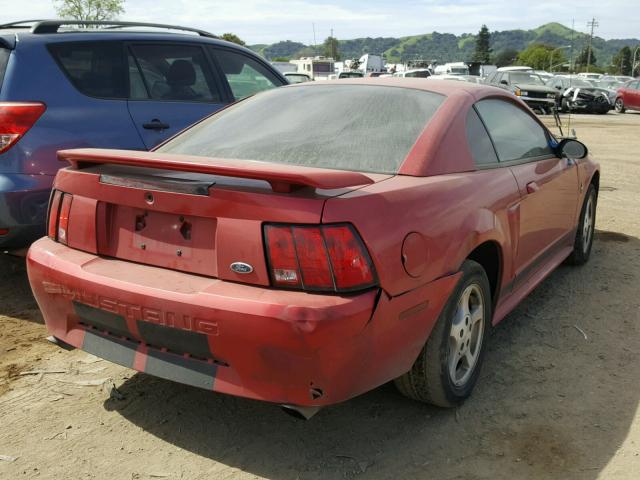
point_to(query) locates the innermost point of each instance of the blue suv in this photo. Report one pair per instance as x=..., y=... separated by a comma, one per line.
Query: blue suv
x=106, y=84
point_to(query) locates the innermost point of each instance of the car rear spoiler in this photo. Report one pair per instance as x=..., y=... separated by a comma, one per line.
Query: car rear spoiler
x=282, y=178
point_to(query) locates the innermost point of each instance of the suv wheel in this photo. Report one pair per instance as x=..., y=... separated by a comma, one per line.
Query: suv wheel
x=619, y=105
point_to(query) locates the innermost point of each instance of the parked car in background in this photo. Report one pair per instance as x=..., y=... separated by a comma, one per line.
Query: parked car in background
x=628, y=97
x=321, y=290
x=455, y=68
x=127, y=86
x=521, y=68
x=415, y=73
x=457, y=78
x=590, y=76
x=526, y=85
x=297, y=77
x=618, y=78
x=544, y=75
x=351, y=74
x=576, y=94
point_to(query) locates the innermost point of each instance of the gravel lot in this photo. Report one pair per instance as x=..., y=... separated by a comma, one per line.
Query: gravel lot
x=558, y=397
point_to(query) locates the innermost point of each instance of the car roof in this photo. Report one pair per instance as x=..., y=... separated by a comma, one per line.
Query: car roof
x=514, y=69
x=443, y=87
x=10, y=36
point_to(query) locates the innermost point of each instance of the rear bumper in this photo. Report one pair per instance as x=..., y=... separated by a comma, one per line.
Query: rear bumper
x=23, y=208
x=278, y=346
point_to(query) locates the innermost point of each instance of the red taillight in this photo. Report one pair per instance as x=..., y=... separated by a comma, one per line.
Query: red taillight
x=16, y=118
x=63, y=218
x=318, y=258
x=283, y=259
x=58, y=223
x=351, y=265
x=312, y=257
x=54, y=210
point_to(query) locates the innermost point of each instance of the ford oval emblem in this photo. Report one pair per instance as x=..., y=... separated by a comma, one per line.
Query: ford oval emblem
x=241, y=267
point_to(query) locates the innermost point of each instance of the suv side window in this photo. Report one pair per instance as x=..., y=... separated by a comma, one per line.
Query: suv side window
x=95, y=68
x=479, y=142
x=172, y=73
x=515, y=134
x=245, y=75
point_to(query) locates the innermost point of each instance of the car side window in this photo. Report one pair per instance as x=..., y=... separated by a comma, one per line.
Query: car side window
x=95, y=68
x=515, y=134
x=245, y=75
x=172, y=73
x=479, y=142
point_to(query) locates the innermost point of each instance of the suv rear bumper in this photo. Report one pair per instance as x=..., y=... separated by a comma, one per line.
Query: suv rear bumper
x=280, y=346
x=23, y=208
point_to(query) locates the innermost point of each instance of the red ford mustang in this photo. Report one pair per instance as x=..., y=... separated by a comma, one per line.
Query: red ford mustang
x=310, y=243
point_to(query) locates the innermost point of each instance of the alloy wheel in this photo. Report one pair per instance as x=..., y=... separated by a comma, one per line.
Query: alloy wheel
x=588, y=224
x=465, y=336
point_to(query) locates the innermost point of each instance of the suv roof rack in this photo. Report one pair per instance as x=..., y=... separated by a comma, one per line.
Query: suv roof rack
x=53, y=26
x=20, y=24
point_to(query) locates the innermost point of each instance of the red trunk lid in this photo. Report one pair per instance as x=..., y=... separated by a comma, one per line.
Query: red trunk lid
x=192, y=214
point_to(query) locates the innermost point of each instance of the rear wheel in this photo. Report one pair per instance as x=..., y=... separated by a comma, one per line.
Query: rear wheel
x=586, y=228
x=619, y=105
x=449, y=364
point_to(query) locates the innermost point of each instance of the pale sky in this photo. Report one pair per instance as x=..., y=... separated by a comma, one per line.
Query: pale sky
x=264, y=21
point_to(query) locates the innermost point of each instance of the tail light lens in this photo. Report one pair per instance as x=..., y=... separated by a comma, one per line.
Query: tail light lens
x=16, y=118
x=58, y=226
x=318, y=258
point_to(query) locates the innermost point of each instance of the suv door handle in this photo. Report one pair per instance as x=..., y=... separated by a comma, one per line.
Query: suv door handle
x=155, y=124
x=532, y=187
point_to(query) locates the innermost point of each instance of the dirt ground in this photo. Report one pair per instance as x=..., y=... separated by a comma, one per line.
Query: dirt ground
x=558, y=397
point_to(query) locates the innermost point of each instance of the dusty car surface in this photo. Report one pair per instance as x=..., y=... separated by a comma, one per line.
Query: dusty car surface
x=255, y=256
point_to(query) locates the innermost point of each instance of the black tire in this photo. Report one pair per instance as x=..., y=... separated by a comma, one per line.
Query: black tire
x=429, y=380
x=564, y=105
x=581, y=247
x=619, y=105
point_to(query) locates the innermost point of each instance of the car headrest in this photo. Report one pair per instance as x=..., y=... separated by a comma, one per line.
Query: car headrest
x=181, y=74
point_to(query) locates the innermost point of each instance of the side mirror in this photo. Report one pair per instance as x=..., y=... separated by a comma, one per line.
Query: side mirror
x=504, y=82
x=571, y=148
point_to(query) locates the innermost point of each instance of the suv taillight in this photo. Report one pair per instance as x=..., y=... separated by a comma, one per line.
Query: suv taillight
x=16, y=118
x=58, y=224
x=318, y=258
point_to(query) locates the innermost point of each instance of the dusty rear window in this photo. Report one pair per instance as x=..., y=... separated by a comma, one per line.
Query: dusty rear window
x=346, y=127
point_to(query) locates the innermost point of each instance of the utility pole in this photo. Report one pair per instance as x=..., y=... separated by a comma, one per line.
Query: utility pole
x=333, y=46
x=315, y=44
x=593, y=24
x=573, y=29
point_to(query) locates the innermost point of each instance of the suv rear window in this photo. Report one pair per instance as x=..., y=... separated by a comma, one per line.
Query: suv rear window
x=4, y=59
x=345, y=127
x=94, y=68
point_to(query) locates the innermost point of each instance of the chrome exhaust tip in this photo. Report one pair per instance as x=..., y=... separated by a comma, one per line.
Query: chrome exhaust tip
x=301, y=413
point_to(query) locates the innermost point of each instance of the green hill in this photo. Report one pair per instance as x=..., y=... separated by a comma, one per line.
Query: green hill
x=447, y=47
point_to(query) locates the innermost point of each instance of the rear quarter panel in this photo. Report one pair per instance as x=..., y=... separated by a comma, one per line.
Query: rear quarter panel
x=452, y=214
